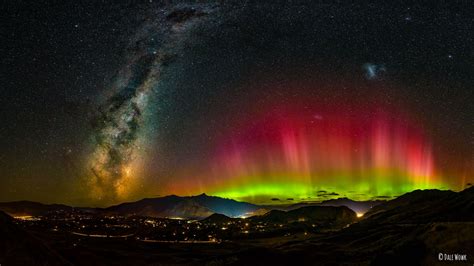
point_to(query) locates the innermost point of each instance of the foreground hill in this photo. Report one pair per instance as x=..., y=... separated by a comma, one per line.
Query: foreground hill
x=422, y=206
x=18, y=247
x=217, y=218
x=359, y=207
x=410, y=230
x=319, y=214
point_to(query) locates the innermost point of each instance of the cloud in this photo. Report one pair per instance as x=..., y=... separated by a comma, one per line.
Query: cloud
x=374, y=71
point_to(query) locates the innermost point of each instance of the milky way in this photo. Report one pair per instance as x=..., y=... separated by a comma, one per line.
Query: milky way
x=119, y=126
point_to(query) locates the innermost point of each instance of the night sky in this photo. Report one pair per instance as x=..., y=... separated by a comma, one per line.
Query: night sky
x=108, y=102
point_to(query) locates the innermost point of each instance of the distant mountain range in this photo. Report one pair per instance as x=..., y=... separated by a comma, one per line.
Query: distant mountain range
x=20, y=208
x=317, y=214
x=359, y=207
x=193, y=207
x=200, y=206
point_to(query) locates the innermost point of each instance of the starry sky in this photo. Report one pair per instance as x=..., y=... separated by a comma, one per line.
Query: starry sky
x=111, y=101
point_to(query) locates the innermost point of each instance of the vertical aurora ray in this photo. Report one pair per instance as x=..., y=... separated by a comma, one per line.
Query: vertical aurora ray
x=362, y=155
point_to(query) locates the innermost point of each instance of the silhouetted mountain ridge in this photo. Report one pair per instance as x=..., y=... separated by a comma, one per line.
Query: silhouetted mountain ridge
x=426, y=206
x=24, y=207
x=329, y=214
x=218, y=218
x=409, y=230
x=199, y=206
x=357, y=206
